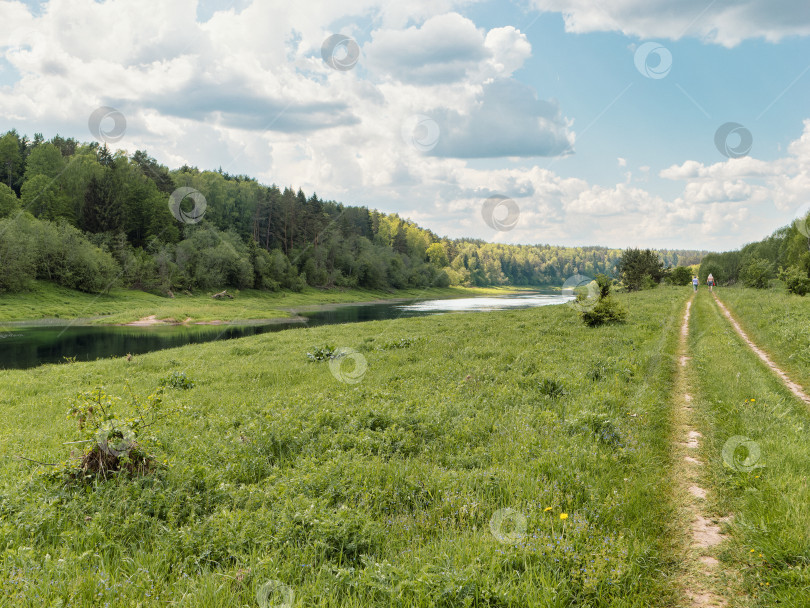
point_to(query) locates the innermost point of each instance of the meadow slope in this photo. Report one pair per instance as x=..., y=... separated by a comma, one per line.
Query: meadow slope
x=409, y=487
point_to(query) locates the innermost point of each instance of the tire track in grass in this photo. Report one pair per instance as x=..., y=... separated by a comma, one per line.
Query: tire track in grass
x=699, y=580
x=794, y=387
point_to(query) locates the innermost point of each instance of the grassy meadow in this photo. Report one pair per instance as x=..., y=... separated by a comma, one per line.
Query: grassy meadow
x=763, y=483
x=503, y=459
x=777, y=321
x=49, y=301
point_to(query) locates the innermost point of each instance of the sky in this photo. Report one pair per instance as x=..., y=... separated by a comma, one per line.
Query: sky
x=648, y=123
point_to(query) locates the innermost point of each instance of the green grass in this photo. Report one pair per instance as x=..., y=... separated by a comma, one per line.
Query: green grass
x=736, y=395
x=49, y=301
x=777, y=321
x=374, y=493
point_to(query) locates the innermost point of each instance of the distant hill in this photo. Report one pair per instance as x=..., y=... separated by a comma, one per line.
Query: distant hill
x=89, y=218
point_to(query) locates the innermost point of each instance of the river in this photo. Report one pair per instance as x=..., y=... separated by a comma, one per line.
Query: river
x=27, y=346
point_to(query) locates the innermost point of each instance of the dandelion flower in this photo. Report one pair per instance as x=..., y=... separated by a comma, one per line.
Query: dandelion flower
x=563, y=515
x=547, y=509
x=752, y=550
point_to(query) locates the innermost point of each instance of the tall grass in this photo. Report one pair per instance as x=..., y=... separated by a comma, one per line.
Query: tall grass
x=777, y=321
x=377, y=492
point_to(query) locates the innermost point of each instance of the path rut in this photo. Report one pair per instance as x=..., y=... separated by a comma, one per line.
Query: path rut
x=701, y=579
x=794, y=387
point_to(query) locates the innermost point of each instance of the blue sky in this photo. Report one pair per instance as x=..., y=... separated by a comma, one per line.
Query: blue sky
x=449, y=102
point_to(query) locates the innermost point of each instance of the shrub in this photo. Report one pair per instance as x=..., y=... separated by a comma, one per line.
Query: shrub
x=756, y=272
x=607, y=310
x=681, y=275
x=796, y=280
x=178, y=380
x=113, y=440
x=635, y=265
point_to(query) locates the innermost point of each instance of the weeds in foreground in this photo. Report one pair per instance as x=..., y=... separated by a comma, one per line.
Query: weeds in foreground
x=114, y=439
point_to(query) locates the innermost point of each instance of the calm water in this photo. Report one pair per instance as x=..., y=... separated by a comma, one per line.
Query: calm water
x=23, y=347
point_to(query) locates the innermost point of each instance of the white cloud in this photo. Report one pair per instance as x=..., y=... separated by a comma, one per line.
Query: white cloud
x=446, y=48
x=247, y=90
x=726, y=23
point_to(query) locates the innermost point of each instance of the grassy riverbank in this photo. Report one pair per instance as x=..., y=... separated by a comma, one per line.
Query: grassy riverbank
x=382, y=492
x=49, y=301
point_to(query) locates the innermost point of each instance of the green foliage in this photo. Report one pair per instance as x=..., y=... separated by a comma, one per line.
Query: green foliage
x=45, y=160
x=795, y=279
x=321, y=353
x=259, y=236
x=605, y=283
x=33, y=248
x=437, y=255
x=599, y=426
x=551, y=387
x=114, y=439
x=756, y=272
x=680, y=275
x=640, y=269
x=724, y=269
x=178, y=380
x=786, y=247
x=606, y=310
x=9, y=203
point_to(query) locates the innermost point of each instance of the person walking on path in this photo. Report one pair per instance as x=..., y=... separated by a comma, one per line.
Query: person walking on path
x=710, y=281
x=695, y=282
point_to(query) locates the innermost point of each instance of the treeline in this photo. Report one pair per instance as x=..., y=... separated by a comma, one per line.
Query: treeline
x=784, y=255
x=89, y=218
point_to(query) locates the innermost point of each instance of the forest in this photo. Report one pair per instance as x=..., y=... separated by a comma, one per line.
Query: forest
x=89, y=218
x=784, y=255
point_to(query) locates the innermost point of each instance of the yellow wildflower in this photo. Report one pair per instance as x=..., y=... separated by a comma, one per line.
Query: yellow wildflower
x=563, y=515
x=547, y=509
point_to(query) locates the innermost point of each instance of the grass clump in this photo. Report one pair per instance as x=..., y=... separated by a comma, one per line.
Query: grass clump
x=114, y=440
x=322, y=353
x=178, y=380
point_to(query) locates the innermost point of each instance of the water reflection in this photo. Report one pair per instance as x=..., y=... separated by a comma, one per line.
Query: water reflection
x=28, y=346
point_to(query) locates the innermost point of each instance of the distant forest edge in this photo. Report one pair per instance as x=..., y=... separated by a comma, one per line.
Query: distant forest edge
x=785, y=255
x=88, y=218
